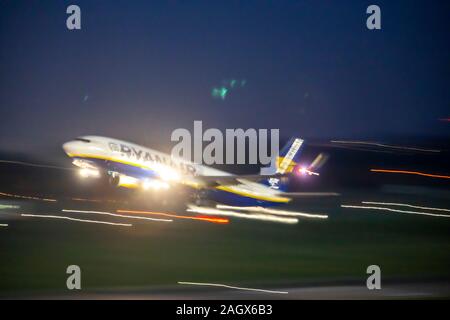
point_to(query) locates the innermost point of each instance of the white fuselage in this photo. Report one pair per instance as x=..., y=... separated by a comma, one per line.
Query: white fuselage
x=136, y=161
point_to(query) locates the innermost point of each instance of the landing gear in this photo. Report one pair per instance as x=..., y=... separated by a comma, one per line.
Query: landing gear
x=200, y=199
x=113, y=179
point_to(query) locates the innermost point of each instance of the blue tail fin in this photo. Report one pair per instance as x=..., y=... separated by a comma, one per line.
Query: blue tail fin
x=285, y=162
x=289, y=155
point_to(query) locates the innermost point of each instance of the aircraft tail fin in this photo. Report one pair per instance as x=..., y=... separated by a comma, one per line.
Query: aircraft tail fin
x=289, y=155
x=285, y=163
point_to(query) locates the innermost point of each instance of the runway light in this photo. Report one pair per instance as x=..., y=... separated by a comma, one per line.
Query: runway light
x=212, y=219
x=384, y=145
x=208, y=219
x=229, y=287
x=74, y=219
x=116, y=215
x=99, y=200
x=26, y=197
x=275, y=211
x=86, y=200
x=412, y=173
x=261, y=217
x=396, y=210
x=406, y=205
x=8, y=206
x=34, y=165
x=88, y=172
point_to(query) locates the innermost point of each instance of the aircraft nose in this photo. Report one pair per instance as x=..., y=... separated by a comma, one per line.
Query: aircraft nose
x=69, y=147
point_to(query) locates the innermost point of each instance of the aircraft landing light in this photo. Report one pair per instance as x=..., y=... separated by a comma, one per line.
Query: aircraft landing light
x=155, y=185
x=88, y=172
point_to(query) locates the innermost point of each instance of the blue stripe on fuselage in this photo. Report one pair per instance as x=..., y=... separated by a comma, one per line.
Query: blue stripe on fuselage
x=235, y=199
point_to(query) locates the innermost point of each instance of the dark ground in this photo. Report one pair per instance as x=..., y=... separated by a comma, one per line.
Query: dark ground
x=312, y=259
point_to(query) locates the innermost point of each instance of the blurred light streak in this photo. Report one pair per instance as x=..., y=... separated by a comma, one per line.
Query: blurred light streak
x=213, y=219
x=384, y=145
x=319, y=161
x=230, y=287
x=411, y=172
x=274, y=211
x=396, y=210
x=209, y=219
x=7, y=206
x=3, y=224
x=405, y=205
x=26, y=197
x=34, y=165
x=262, y=217
x=74, y=219
x=86, y=200
x=445, y=119
x=98, y=200
x=116, y=215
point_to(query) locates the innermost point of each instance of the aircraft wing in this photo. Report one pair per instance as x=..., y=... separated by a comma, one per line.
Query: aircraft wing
x=311, y=194
x=231, y=180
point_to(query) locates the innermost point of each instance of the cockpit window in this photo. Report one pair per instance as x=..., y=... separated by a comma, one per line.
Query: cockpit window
x=83, y=139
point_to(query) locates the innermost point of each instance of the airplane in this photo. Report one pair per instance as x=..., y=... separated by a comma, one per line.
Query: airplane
x=130, y=165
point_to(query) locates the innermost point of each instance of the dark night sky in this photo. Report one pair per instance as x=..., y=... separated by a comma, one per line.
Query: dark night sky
x=139, y=69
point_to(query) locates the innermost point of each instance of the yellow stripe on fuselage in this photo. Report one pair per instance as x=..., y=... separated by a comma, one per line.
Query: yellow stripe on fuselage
x=254, y=196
